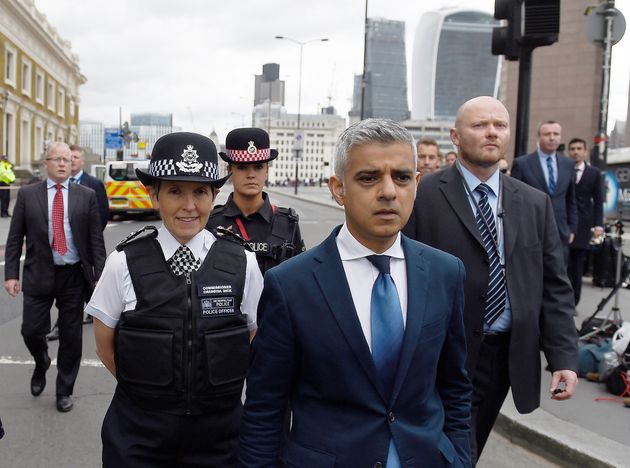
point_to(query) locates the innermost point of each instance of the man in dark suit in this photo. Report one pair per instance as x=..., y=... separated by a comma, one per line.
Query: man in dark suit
x=552, y=173
x=65, y=255
x=370, y=355
x=590, y=206
x=517, y=295
x=78, y=176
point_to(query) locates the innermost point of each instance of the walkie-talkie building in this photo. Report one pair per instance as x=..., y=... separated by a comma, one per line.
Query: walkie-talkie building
x=452, y=62
x=386, y=73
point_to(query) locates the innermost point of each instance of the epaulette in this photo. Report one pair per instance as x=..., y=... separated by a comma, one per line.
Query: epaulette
x=217, y=209
x=145, y=232
x=226, y=234
x=289, y=213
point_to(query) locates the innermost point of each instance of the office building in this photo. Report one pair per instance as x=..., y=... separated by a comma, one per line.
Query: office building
x=268, y=87
x=91, y=136
x=319, y=131
x=386, y=73
x=566, y=81
x=452, y=62
x=39, y=84
x=439, y=130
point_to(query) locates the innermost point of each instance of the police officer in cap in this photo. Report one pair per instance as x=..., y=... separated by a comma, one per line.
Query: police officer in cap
x=174, y=312
x=272, y=232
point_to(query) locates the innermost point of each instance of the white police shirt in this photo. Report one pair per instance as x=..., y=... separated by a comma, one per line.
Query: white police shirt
x=114, y=294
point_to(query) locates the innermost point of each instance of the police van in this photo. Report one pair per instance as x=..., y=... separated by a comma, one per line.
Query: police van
x=125, y=192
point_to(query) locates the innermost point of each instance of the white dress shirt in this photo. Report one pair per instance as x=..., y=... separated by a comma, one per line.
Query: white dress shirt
x=72, y=254
x=579, y=171
x=361, y=274
x=114, y=294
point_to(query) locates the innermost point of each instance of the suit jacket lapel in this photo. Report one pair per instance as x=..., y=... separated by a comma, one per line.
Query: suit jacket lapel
x=453, y=189
x=511, y=215
x=72, y=201
x=534, y=164
x=332, y=281
x=42, y=199
x=417, y=295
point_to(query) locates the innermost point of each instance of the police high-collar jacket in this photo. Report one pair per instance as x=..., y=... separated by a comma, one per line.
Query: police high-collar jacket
x=184, y=349
x=272, y=232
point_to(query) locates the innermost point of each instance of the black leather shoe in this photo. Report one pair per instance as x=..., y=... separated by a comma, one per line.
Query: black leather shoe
x=38, y=380
x=64, y=403
x=54, y=333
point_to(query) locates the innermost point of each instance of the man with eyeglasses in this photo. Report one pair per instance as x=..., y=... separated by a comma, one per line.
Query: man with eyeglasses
x=65, y=255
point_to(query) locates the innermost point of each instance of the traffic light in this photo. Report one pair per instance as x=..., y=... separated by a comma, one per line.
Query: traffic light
x=504, y=37
x=530, y=24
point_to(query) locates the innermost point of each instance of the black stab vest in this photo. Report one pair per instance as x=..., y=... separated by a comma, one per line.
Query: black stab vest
x=184, y=349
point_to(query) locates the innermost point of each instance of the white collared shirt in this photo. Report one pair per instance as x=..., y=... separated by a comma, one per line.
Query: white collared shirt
x=504, y=322
x=72, y=254
x=579, y=171
x=114, y=294
x=361, y=274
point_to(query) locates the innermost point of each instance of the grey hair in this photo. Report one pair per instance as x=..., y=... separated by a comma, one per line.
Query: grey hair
x=54, y=146
x=365, y=132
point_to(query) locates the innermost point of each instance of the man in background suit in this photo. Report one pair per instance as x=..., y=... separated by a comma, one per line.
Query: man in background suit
x=552, y=173
x=517, y=295
x=65, y=255
x=78, y=176
x=371, y=359
x=590, y=206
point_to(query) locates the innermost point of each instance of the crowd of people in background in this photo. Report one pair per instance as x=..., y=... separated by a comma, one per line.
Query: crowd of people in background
x=396, y=339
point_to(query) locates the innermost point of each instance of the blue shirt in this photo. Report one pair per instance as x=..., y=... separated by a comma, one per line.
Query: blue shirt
x=504, y=322
x=72, y=255
x=542, y=158
x=77, y=178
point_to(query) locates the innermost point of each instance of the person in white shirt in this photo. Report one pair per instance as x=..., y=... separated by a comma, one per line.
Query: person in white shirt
x=174, y=313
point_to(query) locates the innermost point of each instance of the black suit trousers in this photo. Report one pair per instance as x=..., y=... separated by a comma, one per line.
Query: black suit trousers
x=577, y=260
x=5, y=198
x=68, y=295
x=490, y=387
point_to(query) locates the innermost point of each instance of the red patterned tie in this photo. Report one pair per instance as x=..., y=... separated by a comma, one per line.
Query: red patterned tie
x=59, y=236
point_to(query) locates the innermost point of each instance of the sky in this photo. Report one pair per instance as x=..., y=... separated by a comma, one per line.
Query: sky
x=197, y=58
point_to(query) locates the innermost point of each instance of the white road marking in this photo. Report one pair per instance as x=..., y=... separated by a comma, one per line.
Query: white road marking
x=30, y=362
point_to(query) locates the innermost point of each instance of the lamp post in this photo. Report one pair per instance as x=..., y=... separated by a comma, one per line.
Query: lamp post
x=298, y=141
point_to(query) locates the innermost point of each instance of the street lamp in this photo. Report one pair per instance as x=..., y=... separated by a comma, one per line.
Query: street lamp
x=298, y=146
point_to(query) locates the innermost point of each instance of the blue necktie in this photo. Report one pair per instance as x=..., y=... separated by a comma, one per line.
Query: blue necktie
x=387, y=333
x=495, y=294
x=552, y=175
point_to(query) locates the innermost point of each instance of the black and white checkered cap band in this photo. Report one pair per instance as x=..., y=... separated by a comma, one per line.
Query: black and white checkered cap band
x=167, y=167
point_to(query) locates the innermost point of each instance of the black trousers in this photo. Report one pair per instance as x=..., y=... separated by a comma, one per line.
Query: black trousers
x=577, y=259
x=5, y=197
x=68, y=296
x=134, y=437
x=490, y=387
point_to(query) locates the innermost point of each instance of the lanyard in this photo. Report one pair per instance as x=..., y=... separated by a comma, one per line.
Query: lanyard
x=499, y=221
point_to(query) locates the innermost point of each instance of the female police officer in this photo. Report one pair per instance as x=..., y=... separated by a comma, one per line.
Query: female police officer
x=272, y=232
x=173, y=313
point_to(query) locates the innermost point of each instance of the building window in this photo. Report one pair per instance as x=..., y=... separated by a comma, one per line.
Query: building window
x=26, y=77
x=39, y=87
x=10, y=59
x=61, y=102
x=50, y=95
x=25, y=142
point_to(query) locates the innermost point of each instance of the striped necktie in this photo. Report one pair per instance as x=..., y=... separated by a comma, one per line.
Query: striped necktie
x=496, y=293
x=552, y=176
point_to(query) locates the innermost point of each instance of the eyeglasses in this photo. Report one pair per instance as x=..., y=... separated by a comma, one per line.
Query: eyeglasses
x=59, y=160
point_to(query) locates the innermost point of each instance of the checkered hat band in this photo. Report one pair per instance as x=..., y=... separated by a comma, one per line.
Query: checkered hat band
x=167, y=167
x=244, y=156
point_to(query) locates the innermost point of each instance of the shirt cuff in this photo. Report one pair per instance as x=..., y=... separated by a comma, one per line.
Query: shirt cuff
x=102, y=316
